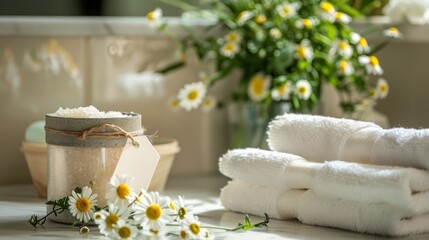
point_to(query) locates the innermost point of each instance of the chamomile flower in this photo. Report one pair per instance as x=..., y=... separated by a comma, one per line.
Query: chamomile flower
x=119, y=191
x=343, y=18
x=275, y=33
x=125, y=231
x=153, y=211
x=362, y=46
x=192, y=227
x=365, y=105
x=304, y=50
x=282, y=92
x=392, y=32
x=154, y=17
x=372, y=93
x=229, y=49
x=327, y=11
x=174, y=104
x=371, y=64
x=260, y=19
x=207, y=235
x=192, y=95
x=107, y=220
x=183, y=210
x=244, y=17
x=306, y=23
x=154, y=234
x=382, y=88
x=82, y=204
x=344, y=49
x=303, y=89
x=345, y=68
x=287, y=9
x=258, y=87
x=233, y=37
x=209, y=103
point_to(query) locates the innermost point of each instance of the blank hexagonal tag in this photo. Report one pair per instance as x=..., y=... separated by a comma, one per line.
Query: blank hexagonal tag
x=139, y=162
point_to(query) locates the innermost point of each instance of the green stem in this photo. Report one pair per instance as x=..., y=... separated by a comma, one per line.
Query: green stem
x=182, y=5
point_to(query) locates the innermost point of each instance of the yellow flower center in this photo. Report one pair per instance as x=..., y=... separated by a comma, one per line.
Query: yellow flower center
x=183, y=234
x=195, y=228
x=343, y=45
x=373, y=60
x=372, y=92
x=258, y=83
x=154, y=231
x=338, y=15
x=242, y=15
x=286, y=10
x=383, y=88
x=174, y=104
x=343, y=65
x=326, y=7
x=124, y=232
x=111, y=220
x=394, y=30
x=83, y=204
x=207, y=102
x=260, y=19
x=172, y=206
x=97, y=216
x=153, y=212
x=182, y=213
x=232, y=37
x=151, y=16
x=282, y=89
x=302, y=90
x=300, y=51
x=123, y=190
x=192, y=95
x=362, y=42
x=307, y=23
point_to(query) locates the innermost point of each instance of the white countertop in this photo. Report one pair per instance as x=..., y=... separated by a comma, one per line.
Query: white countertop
x=19, y=202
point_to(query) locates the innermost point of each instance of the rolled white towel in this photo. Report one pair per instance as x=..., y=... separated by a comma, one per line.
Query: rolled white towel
x=311, y=208
x=405, y=188
x=318, y=139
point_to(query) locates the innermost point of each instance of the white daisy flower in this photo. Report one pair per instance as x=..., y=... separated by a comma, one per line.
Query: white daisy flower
x=364, y=105
x=244, y=17
x=207, y=235
x=282, y=92
x=287, y=9
x=119, y=191
x=258, y=87
x=107, y=220
x=82, y=204
x=183, y=210
x=125, y=231
x=154, y=234
x=209, y=103
x=345, y=68
x=154, y=17
x=327, y=11
x=233, y=37
x=153, y=211
x=344, y=49
x=343, y=18
x=229, y=49
x=275, y=33
x=392, y=32
x=373, y=93
x=362, y=46
x=192, y=95
x=306, y=23
x=372, y=64
x=382, y=88
x=303, y=89
x=174, y=104
x=192, y=227
x=304, y=50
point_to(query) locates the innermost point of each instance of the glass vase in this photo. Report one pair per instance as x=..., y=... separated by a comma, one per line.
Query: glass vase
x=248, y=122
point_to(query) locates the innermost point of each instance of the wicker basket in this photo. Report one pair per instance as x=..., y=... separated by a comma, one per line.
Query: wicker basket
x=37, y=162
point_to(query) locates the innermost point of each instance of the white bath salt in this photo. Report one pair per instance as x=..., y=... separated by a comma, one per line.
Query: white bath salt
x=86, y=112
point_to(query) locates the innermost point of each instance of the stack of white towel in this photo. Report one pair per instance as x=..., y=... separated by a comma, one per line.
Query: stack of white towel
x=334, y=172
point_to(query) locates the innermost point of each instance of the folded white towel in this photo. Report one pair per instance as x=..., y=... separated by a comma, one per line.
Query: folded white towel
x=405, y=188
x=311, y=208
x=318, y=138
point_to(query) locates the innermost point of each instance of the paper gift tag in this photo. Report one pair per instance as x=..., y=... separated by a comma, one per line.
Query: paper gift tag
x=139, y=162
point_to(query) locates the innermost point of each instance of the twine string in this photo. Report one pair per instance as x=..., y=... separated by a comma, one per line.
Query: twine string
x=93, y=132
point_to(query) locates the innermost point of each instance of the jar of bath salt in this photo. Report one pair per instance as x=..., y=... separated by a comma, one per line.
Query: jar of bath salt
x=84, y=145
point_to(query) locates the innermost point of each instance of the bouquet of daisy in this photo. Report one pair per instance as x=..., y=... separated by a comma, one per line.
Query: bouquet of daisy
x=285, y=51
x=131, y=215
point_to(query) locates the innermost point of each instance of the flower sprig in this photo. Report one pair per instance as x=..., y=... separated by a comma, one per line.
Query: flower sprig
x=129, y=215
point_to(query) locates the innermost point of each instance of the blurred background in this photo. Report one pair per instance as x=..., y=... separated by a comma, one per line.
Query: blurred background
x=107, y=44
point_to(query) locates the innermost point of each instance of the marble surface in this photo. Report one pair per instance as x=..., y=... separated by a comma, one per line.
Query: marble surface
x=19, y=202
